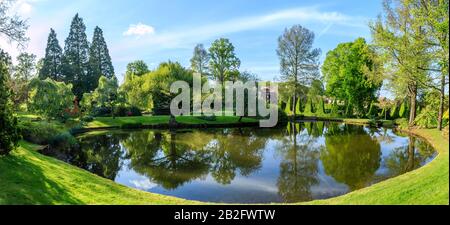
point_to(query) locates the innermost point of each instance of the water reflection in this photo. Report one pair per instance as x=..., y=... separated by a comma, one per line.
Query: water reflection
x=351, y=156
x=298, y=169
x=300, y=162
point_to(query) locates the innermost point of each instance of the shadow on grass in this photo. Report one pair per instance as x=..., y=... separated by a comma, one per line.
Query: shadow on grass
x=22, y=181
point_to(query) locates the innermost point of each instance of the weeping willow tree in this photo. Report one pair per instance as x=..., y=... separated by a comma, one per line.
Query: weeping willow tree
x=50, y=98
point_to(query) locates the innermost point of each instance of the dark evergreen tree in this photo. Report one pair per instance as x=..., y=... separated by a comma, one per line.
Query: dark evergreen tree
x=75, y=60
x=9, y=133
x=51, y=67
x=99, y=59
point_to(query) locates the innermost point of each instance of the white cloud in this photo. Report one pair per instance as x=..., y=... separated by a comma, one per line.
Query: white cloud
x=139, y=29
x=143, y=184
x=185, y=37
x=22, y=7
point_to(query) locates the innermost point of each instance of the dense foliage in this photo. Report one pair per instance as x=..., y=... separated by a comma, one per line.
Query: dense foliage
x=51, y=99
x=347, y=71
x=9, y=133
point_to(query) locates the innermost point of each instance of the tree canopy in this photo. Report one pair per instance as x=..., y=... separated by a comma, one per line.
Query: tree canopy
x=223, y=63
x=75, y=63
x=99, y=59
x=347, y=72
x=52, y=64
x=9, y=133
x=298, y=58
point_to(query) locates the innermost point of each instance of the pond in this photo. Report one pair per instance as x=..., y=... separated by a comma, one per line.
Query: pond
x=299, y=162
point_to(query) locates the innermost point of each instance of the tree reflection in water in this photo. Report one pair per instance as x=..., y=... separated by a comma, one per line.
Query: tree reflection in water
x=407, y=158
x=351, y=156
x=284, y=164
x=298, y=169
x=171, y=159
x=159, y=157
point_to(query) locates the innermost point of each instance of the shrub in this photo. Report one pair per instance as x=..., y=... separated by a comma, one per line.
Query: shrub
x=320, y=108
x=349, y=110
x=298, y=107
x=288, y=110
x=403, y=109
x=64, y=141
x=427, y=118
x=402, y=123
x=372, y=111
x=101, y=111
x=39, y=132
x=334, y=109
x=134, y=111
x=308, y=108
x=394, y=112
x=121, y=111
x=87, y=119
x=282, y=117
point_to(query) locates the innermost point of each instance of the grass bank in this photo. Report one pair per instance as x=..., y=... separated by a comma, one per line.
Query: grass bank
x=28, y=177
x=426, y=185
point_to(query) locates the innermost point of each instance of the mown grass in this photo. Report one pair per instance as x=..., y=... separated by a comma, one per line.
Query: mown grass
x=100, y=122
x=426, y=185
x=28, y=177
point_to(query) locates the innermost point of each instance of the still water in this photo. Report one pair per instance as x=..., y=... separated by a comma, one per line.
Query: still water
x=300, y=162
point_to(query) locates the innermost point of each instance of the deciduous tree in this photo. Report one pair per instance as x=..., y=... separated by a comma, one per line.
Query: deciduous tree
x=223, y=63
x=298, y=58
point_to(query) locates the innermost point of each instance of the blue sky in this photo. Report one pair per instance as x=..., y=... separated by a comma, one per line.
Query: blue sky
x=157, y=31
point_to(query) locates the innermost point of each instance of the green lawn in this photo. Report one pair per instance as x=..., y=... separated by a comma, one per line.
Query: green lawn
x=27, y=177
x=100, y=122
x=426, y=185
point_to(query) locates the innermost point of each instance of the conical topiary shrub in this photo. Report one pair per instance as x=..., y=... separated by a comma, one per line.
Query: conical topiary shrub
x=372, y=110
x=402, y=113
x=394, y=112
x=320, y=108
x=298, y=107
x=335, y=109
x=308, y=108
x=288, y=110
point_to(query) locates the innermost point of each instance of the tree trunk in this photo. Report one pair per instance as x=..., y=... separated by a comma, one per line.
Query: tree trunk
x=413, y=96
x=411, y=154
x=293, y=106
x=441, y=102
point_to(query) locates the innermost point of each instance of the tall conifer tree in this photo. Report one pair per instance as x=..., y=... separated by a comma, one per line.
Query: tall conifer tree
x=99, y=59
x=75, y=60
x=51, y=67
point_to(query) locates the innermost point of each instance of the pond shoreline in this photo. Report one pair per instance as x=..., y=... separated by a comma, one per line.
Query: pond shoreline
x=426, y=185
x=180, y=125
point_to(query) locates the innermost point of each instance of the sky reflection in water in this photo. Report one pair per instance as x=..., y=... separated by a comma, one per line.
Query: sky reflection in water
x=301, y=162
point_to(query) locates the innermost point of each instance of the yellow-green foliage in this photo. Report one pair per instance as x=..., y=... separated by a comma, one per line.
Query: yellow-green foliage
x=394, y=112
x=309, y=108
x=402, y=112
x=320, y=109
x=288, y=110
x=50, y=98
x=298, y=107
